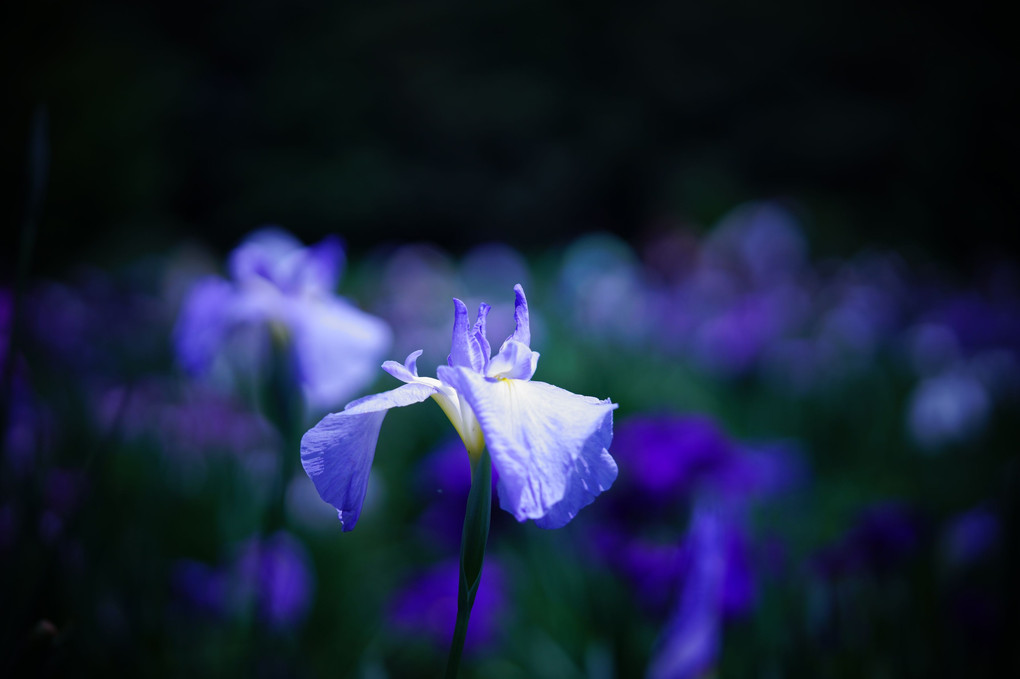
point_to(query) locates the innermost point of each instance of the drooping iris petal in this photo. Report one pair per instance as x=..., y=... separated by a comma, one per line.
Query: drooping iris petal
x=337, y=453
x=203, y=325
x=548, y=444
x=336, y=345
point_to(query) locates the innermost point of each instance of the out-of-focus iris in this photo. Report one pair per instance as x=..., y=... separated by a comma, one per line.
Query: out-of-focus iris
x=283, y=292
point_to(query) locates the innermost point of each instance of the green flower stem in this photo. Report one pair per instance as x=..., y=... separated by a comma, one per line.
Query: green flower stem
x=472, y=554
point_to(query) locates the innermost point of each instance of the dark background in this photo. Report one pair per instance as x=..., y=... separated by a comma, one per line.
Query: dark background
x=462, y=122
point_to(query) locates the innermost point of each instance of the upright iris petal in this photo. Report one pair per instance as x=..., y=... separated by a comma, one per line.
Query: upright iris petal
x=548, y=445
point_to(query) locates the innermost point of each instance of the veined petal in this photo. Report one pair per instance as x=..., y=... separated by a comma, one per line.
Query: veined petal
x=338, y=348
x=465, y=349
x=549, y=445
x=478, y=334
x=337, y=453
x=522, y=333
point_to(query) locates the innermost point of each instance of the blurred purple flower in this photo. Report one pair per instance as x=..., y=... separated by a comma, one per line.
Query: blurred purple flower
x=882, y=536
x=691, y=640
x=548, y=445
x=427, y=605
x=970, y=536
x=201, y=588
x=184, y=420
x=667, y=456
x=278, y=282
x=653, y=568
x=980, y=322
x=99, y=327
x=759, y=241
x=272, y=576
x=669, y=459
x=278, y=572
x=604, y=290
x=673, y=462
x=947, y=409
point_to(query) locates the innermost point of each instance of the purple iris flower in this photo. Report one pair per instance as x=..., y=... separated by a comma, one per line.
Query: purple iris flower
x=274, y=575
x=692, y=638
x=671, y=459
x=548, y=445
x=278, y=572
x=427, y=604
x=277, y=281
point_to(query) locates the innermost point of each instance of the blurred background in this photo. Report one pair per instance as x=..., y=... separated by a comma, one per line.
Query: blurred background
x=782, y=238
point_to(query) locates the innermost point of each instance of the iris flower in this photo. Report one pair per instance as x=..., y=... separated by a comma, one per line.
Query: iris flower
x=548, y=445
x=277, y=282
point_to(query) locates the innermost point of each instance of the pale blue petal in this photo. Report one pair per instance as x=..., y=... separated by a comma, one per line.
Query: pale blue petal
x=594, y=471
x=549, y=445
x=411, y=362
x=338, y=348
x=478, y=333
x=465, y=349
x=203, y=323
x=514, y=361
x=337, y=453
x=522, y=333
x=274, y=255
x=261, y=255
x=408, y=372
x=318, y=269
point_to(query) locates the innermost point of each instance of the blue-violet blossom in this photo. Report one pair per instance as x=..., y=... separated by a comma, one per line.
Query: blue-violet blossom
x=548, y=445
x=277, y=281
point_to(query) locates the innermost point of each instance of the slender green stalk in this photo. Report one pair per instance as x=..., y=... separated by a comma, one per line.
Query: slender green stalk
x=472, y=554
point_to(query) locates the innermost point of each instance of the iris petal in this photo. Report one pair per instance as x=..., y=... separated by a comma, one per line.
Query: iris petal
x=548, y=444
x=522, y=333
x=337, y=453
x=407, y=372
x=338, y=347
x=515, y=360
x=203, y=323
